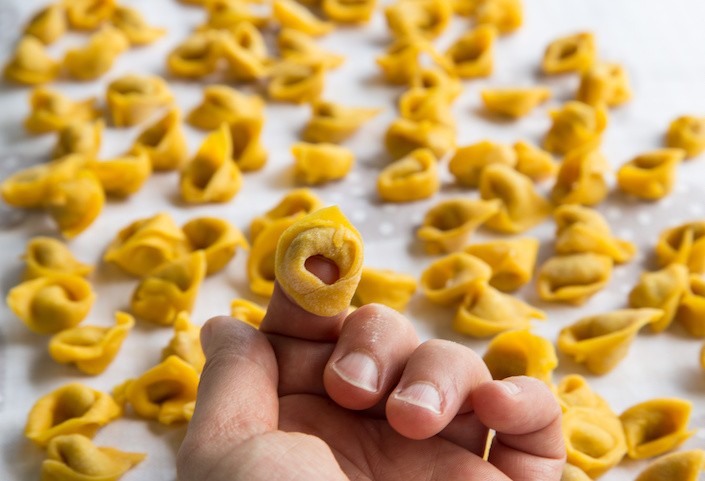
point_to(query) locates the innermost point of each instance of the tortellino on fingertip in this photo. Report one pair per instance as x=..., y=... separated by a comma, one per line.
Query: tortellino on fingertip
x=448, y=225
x=512, y=261
x=91, y=348
x=74, y=457
x=602, y=341
x=326, y=233
x=71, y=409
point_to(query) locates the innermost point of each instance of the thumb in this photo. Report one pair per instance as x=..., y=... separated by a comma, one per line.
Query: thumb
x=237, y=395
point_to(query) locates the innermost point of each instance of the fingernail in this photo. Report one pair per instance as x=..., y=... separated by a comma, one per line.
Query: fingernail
x=511, y=388
x=421, y=394
x=358, y=369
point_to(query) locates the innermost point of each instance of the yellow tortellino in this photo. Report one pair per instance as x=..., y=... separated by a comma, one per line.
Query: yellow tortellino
x=260, y=263
x=581, y=177
x=533, y=162
x=520, y=353
x=349, y=11
x=521, y=206
x=131, y=23
x=333, y=123
x=572, y=53
x=514, y=102
x=663, y=290
x=468, y=162
x=594, y=440
x=52, y=303
x=573, y=278
x=574, y=391
x=98, y=56
x=212, y=175
x=91, y=348
x=512, y=261
x=447, y=280
x=186, y=342
x=197, y=56
x=163, y=393
x=574, y=473
x=427, y=18
x=245, y=52
x=134, y=98
x=89, y=14
x=320, y=163
x=604, y=83
x=170, y=289
x=400, y=63
x=73, y=457
x=146, y=244
x=437, y=79
x=224, y=14
x=46, y=256
x=79, y=138
x=602, y=341
x=52, y=111
x=581, y=229
x=656, y=426
x=164, y=142
x=691, y=310
x=225, y=104
x=448, y=225
x=683, y=244
x=291, y=14
x=419, y=104
x=485, y=311
x=505, y=15
x=48, y=24
x=217, y=238
x=404, y=136
x=248, y=312
x=687, y=133
x=651, y=175
x=123, y=176
x=302, y=48
x=31, y=64
x=74, y=203
x=296, y=81
x=575, y=125
x=472, y=55
x=327, y=233
x=70, y=409
x=248, y=150
x=413, y=177
x=295, y=203
x=683, y=465
x=384, y=286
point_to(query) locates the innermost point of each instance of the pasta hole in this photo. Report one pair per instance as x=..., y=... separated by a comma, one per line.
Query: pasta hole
x=323, y=268
x=73, y=402
x=567, y=51
x=161, y=391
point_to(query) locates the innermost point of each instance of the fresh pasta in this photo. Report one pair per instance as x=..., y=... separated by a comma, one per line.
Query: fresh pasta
x=572, y=53
x=31, y=64
x=384, y=286
x=320, y=163
x=651, y=175
x=186, y=342
x=573, y=278
x=514, y=102
x=333, y=123
x=217, y=238
x=575, y=125
x=46, y=256
x=468, y=162
x=512, y=261
x=98, y=56
x=132, y=99
x=447, y=280
x=520, y=353
x=410, y=178
x=164, y=142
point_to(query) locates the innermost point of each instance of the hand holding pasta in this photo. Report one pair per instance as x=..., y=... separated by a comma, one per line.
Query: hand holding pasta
x=329, y=396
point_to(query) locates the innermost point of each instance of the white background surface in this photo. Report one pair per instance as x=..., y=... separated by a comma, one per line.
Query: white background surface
x=660, y=43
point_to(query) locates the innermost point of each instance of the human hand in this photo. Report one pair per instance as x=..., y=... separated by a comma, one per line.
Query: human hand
x=333, y=398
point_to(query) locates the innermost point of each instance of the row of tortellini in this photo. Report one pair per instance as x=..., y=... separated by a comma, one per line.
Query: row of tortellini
x=119, y=28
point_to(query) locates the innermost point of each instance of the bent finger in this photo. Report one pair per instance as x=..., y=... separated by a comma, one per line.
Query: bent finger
x=524, y=413
x=369, y=357
x=435, y=387
x=237, y=393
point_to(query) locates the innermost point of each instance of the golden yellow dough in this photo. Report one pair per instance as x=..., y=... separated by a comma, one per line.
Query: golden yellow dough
x=51, y=111
x=186, y=342
x=581, y=177
x=651, y=175
x=573, y=473
x=164, y=142
x=419, y=104
x=400, y=62
x=31, y=64
x=601, y=341
x=260, y=262
x=573, y=278
x=325, y=232
x=97, y=57
x=294, y=203
x=123, y=176
x=79, y=138
x=247, y=311
x=384, y=286
x=91, y=348
x=320, y=163
x=691, y=308
x=349, y=11
x=688, y=133
x=514, y=102
x=683, y=466
x=520, y=353
x=197, y=56
x=436, y=78
x=574, y=125
x=296, y=81
x=45, y=256
x=604, y=83
x=74, y=203
x=225, y=104
x=132, y=99
x=217, y=238
x=472, y=55
x=71, y=409
x=574, y=391
x=427, y=18
x=48, y=24
x=512, y=261
x=291, y=14
x=245, y=52
x=571, y=53
x=333, y=123
x=404, y=136
x=413, y=177
x=89, y=14
x=300, y=47
x=683, y=244
x=505, y=15
x=468, y=163
x=656, y=426
x=533, y=162
x=445, y=281
x=223, y=14
x=132, y=24
x=662, y=289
